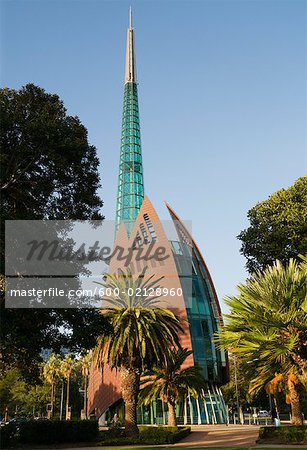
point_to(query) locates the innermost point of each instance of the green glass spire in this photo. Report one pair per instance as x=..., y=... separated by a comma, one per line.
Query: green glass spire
x=130, y=193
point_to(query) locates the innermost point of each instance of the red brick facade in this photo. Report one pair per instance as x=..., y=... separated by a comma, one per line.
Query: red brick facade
x=104, y=386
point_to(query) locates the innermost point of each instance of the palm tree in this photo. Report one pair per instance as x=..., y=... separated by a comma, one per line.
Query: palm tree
x=85, y=364
x=143, y=334
x=67, y=368
x=171, y=382
x=51, y=373
x=281, y=383
x=268, y=327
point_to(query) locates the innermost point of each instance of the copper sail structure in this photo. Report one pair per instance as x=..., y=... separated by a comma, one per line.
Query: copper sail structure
x=130, y=193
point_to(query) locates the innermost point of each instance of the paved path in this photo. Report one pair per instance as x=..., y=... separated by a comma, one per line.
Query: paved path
x=215, y=436
x=221, y=436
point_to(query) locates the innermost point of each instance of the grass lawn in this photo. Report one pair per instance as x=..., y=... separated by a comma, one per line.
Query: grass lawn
x=162, y=447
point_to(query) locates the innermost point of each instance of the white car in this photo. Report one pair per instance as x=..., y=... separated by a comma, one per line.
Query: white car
x=263, y=413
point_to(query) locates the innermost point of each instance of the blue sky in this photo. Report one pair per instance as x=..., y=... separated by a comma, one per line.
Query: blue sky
x=222, y=90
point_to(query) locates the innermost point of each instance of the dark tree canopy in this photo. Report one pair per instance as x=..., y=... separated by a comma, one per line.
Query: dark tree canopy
x=278, y=228
x=48, y=171
x=48, y=168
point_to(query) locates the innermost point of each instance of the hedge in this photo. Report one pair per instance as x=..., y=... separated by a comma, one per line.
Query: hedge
x=283, y=435
x=170, y=434
x=8, y=436
x=49, y=432
x=56, y=431
x=150, y=435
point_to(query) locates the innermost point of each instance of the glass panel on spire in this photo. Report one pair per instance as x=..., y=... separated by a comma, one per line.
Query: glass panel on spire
x=130, y=193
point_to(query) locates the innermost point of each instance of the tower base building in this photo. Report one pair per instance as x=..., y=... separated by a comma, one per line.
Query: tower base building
x=191, y=295
x=186, y=279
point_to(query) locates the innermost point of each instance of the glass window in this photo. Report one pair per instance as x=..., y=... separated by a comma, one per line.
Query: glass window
x=200, y=349
x=194, y=308
x=144, y=233
x=210, y=370
x=196, y=328
x=201, y=305
x=176, y=247
x=205, y=327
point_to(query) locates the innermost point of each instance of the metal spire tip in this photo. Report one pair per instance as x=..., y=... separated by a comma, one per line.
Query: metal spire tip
x=130, y=17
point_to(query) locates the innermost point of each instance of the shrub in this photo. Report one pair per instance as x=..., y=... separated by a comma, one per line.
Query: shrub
x=151, y=435
x=8, y=436
x=163, y=435
x=283, y=435
x=180, y=434
x=56, y=431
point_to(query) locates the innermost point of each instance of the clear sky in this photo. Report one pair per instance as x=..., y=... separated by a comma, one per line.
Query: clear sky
x=222, y=91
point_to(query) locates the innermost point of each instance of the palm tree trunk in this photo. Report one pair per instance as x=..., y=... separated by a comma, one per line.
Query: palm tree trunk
x=67, y=398
x=294, y=397
x=52, y=398
x=171, y=414
x=276, y=405
x=85, y=397
x=301, y=362
x=52, y=395
x=130, y=384
x=62, y=399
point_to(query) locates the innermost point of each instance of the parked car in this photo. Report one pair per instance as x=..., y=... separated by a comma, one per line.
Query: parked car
x=17, y=420
x=263, y=413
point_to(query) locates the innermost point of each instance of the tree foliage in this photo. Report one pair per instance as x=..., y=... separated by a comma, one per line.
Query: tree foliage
x=268, y=326
x=48, y=171
x=278, y=228
x=143, y=334
x=243, y=372
x=171, y=382
x=237, y=369
x=48, y=168
x=21, y=398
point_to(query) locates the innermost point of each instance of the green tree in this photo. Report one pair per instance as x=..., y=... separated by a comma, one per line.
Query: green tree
x=21, y=398
x=48, y=171
x=240, y=373
x=171, y=383
x=237, y=371
x=268, y=327
x=142, y=335
x=278, y=228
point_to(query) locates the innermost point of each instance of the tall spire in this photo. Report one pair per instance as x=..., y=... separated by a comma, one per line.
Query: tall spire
x=130, y=72
x=130, y=193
